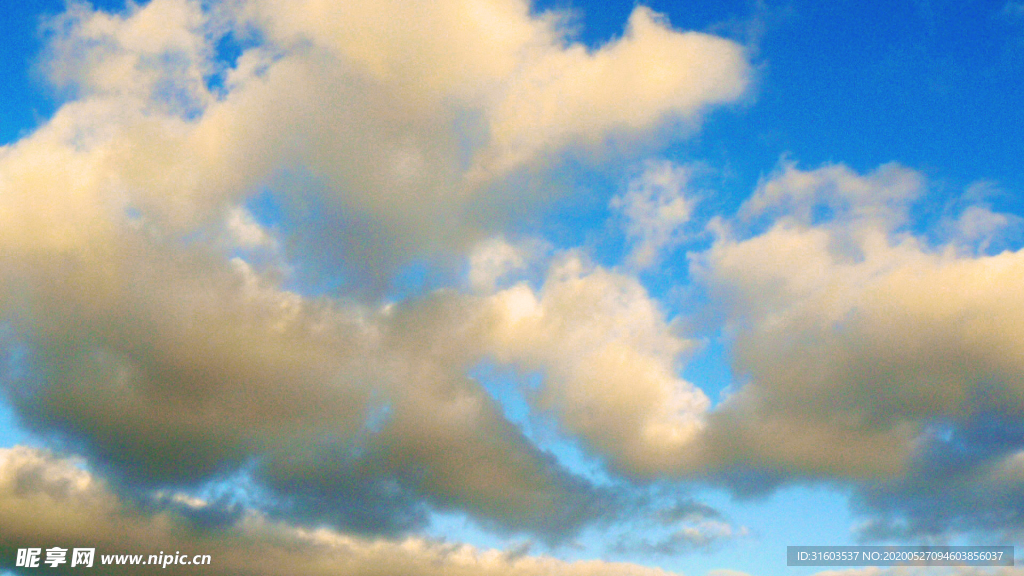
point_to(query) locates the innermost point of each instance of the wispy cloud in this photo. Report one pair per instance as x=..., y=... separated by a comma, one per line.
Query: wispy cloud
x=655, y=207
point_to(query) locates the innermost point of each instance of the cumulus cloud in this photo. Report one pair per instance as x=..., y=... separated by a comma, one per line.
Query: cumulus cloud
x=870, y=352
x=157, y=321
x=160, y=234
x=177, y=365
x=610, y=359
x=363, y=120
x=532, y=90
x=48, y=501
x=183, y=367
x=647, y=76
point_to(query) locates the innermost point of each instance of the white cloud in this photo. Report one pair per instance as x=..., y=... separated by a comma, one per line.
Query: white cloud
x=879, y=199
x=495, y=260
x=362, y=119
x=158, y=54
x=383, y=131
x=534, y=90
x=655, y=207
x=973, y=226
x=650, y=75
x=171, y=358
x=610, y=361
x=384, y=117
x=726, y=572
x=244, y=230
x=853, y=332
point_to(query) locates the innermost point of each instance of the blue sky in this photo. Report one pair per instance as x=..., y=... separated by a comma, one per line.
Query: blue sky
x=492, y=287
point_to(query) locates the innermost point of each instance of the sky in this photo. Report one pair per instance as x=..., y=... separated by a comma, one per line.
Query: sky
x=503, y=288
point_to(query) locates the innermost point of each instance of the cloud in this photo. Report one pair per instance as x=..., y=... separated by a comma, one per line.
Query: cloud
x=853, y=332
x=649, y=75
x=655, y=207
x=872, y=354
x=964, y=480
x=532, y=89
x=168, y=359
x=682, y=527
x=610, y=361
x=386, y=130
x=183, y=368
x=695, y=535
x=158, y=321
x=173, y=363
x=971, y=223
x=837, y=194
x=159, y=54
x=164, y=235
x=496, y=260
x=48, y=501
x=725, y=572
x=688, y=510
